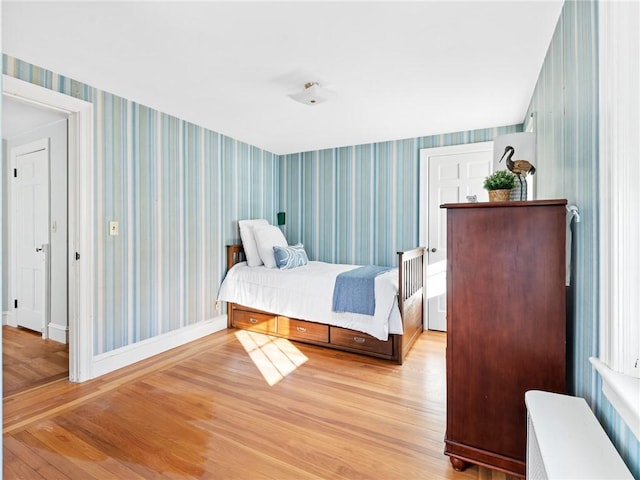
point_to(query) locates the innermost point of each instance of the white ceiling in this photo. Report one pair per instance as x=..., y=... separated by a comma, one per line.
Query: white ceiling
x=398, y=69
x=18, y=118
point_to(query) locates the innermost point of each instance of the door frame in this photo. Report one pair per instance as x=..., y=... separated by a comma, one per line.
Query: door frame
x=80, y=213
x=13, y=154
x=423, y=206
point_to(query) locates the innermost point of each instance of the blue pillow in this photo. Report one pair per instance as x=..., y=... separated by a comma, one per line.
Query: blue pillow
x=290, y=257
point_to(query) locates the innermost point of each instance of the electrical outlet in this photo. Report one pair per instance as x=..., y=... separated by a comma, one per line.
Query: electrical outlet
x=113, y=228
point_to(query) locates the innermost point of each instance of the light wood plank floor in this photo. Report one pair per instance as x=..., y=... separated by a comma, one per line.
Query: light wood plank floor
x=29, y=361
x=205, y=410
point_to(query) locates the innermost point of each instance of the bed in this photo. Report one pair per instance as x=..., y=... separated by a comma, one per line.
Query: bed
x=292, y=304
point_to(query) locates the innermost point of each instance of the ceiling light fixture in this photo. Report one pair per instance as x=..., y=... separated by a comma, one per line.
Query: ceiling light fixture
x=312, y=94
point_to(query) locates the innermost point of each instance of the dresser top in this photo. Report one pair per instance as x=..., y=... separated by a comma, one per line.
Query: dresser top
x=532, y=203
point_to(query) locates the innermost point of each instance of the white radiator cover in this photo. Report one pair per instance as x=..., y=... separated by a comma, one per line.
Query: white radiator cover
x=565, y=441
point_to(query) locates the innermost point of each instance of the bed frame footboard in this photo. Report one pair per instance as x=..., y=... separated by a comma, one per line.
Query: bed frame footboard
x=410, y=303
x=410, y=298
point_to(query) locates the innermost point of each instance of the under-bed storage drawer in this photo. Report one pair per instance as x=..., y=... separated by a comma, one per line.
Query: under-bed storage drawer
x=257, y=322
x=360, y=341
x=301, y=330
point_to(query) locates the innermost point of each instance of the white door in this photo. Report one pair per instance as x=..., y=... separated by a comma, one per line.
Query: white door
x=448, y=175
x=30, y=198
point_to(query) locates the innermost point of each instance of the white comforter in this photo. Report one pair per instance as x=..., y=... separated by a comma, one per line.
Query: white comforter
x=306, y=293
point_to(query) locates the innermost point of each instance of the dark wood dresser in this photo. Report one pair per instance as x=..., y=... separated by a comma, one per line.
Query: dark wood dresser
x=506, y=325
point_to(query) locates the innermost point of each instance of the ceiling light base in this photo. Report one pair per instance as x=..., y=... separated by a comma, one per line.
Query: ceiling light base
x=312, y=94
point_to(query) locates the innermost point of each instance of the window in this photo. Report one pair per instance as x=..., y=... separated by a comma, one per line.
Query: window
x=619, y=92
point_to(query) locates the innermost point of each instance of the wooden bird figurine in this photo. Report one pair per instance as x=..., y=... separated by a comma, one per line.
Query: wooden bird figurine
x=519, y=167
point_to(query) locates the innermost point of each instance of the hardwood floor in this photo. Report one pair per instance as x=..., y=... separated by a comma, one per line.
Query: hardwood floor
x=205, y=410
x=28, y=361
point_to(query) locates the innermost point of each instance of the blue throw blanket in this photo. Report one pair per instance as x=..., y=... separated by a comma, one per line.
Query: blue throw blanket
x=354, y=290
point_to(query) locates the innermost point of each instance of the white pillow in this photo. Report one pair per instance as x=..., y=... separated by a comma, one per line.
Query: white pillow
x=268, y=237
x=248, y=241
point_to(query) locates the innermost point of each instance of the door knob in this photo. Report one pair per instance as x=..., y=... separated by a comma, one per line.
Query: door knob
x=38, y=249
x=434, y=250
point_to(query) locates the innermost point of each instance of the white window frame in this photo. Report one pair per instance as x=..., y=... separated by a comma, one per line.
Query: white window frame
x=619, y=93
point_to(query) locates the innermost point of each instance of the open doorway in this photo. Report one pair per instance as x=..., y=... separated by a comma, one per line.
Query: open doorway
x=80, y=208
x=35, y=247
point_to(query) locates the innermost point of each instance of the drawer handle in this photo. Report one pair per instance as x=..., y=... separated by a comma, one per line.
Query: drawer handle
x=253, y=320
x=301, y=329
x=359, y=339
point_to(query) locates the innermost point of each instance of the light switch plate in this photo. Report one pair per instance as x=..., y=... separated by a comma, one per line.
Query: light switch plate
x=113, y=228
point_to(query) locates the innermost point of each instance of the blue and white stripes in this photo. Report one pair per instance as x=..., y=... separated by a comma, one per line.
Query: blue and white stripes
x=177, y=191
x=565, y=108
x=360, y=204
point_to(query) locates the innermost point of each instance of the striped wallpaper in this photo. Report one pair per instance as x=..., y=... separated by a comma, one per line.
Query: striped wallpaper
x=360, y=204
x=176, y=190
x=565, y=109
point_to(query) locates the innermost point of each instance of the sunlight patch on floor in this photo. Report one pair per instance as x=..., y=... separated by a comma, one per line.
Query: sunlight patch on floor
x=275, y=357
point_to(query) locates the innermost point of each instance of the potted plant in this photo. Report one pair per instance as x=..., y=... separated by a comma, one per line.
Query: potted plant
x=499, y=185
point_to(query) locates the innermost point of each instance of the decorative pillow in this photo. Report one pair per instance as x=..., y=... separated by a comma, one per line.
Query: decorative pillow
x=290, y=257
x=248, y=240
x=268, y=237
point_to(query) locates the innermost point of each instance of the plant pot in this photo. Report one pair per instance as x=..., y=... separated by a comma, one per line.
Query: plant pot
x=499, y=195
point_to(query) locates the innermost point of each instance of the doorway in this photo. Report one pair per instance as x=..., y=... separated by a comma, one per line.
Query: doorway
x=37, y=214
x=35, y=336
x=80, y=215
x=447, y=175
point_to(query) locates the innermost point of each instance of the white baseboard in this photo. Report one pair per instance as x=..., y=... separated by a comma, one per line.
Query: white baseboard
x=122, y=357
x=59, y=333
x=9, y=318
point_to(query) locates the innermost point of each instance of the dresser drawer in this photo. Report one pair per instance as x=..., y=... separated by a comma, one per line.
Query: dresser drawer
x=257, y=322
x=360, y=341
x=301, y=330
